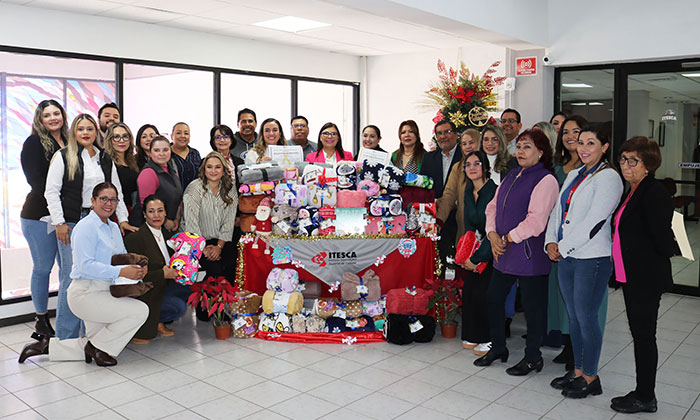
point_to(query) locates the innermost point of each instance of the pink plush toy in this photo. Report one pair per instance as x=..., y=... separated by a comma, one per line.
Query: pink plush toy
x=188, y=249
x=262, y=225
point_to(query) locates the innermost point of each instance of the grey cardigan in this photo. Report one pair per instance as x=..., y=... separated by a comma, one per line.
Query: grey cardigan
x=587, y=229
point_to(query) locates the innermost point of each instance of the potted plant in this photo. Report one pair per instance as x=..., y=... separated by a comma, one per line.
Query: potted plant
x=446, y=302
x=213, y=295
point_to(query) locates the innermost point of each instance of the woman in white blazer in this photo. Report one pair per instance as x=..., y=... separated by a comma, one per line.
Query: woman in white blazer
x=579, y=238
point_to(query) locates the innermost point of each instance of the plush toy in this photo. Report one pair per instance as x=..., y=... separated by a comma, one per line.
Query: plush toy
x=284, y=220
x=308, y=221
x=262, y=225
x=188, y=250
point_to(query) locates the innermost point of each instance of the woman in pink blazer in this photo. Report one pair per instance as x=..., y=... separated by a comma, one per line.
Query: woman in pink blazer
x=331, y=150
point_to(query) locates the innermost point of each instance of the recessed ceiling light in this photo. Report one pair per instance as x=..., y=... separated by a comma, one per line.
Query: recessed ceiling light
x=578, y=103
x=595, y=103
x=690, y=74
x=576, y=85
x=291, y=24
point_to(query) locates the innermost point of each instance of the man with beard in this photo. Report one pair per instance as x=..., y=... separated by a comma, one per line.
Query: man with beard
x=107, y=116
x=300, y=135
x=245, y=136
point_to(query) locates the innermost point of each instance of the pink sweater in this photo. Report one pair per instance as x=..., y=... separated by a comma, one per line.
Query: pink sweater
x=148, y=182
x=542, y=200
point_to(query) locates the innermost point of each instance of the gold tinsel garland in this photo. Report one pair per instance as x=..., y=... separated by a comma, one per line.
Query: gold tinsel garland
x=250, y=237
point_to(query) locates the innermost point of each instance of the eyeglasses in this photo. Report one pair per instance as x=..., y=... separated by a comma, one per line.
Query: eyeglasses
x=105, y=200
x=224, y=137
x=121, y=139
x=632, y=162
x=299, y=126
x=509, y=120
x=444, y=133
x=476, y=164
x=329, y=134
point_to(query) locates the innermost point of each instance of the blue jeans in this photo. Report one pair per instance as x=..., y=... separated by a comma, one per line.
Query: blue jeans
x=44, y=250
x=67, y=324
x=174, y=301
x=583, y=284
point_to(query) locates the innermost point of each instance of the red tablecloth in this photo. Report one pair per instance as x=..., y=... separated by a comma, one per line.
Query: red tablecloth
x=396, y=271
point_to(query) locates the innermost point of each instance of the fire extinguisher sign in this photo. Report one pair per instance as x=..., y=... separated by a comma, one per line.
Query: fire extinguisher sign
x=526, y=66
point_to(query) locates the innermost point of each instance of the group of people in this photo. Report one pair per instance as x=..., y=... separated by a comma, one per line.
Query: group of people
x=547, y=205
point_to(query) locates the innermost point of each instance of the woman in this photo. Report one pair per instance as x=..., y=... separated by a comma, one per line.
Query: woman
x=331, y=150
x=72, y=175
x=371, y=135
x=493, y=143
x=565, y=157
x=453, y=195
x=159, y=176
x=109, y=322
x=144, y=137
x=515, y=222
x=220, y=140
x=557, y=120
x=119, y=146
x=49, y=134
x=643, y=244
x=578, y=238
x=210, y=204
x=409, y=156
x=477, y=194
x=186, y=159
x=165, y=300
x=549, y=131
x=270, y=134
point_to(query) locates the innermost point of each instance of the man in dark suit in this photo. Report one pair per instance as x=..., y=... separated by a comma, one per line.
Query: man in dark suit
x=437, y=165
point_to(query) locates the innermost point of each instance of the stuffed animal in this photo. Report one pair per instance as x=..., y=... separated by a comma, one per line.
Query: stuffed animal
x=284, y=220
x=308, y=221
x=188, y=250
x=262, y=225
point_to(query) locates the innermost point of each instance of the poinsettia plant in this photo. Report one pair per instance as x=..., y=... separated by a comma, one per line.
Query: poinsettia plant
x=446, y=301
x=213, y=295
x=459, y=93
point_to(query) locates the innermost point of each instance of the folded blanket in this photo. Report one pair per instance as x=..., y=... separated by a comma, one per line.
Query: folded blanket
x=385, y=205
x=295, y=195
x=389, y=178
x=347, y=174
x=351, y=199
x=282, y=302
x=319, y=196
x=420, y=181
x=352, y=287
x=299, y=323
x=408, y=301
x=374, y=308
x=310, y=289
x=316, y=324
x=319, y=174
x=259, y=172
x=283, y=280
x=362, y=323
x=405, y=329
x=275, y=323
x=411, y=195
x=325, y=307
x=379, y=321
x=370, y=188
x=249, y=203
x=259, y=188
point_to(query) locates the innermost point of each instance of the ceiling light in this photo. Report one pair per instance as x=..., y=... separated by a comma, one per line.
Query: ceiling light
x=576, y=85
x=291, y=24
x=578, y=104
x=690, y=74
x=595, y=103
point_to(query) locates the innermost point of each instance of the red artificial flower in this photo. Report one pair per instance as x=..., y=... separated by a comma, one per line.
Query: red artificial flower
x=464, y=96
x=438, y=117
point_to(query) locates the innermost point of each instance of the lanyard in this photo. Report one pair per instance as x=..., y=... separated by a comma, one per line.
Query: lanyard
x=573, y=190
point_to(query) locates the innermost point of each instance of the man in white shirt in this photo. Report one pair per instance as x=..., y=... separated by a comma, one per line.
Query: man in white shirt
x=511, y=125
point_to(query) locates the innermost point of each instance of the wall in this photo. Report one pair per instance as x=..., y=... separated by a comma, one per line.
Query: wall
x=533, y=96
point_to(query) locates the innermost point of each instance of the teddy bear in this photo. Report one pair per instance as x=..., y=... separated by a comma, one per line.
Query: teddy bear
x=284, y=220
x=262, y=225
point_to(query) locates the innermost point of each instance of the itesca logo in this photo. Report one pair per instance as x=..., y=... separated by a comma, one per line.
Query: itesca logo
x=320, y=259
x=334, y=258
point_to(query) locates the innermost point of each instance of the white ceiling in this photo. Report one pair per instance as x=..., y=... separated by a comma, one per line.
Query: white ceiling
x=355, y=30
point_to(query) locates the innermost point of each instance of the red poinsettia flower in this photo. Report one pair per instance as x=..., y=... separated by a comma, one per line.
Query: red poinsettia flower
x=464, y=96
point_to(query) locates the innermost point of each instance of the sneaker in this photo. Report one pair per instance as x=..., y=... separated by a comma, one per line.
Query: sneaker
x=468, y=344
x=482, y=348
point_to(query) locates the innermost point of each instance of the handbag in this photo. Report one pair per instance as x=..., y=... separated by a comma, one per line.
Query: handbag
x=466, y=247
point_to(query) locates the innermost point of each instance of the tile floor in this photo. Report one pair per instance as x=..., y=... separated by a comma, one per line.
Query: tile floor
x=194, y=376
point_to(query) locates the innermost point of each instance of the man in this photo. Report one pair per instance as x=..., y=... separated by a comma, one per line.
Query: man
x=107, y=116
x=245, y=136
x=438, y=164
x=511, y=125
x=300, y=135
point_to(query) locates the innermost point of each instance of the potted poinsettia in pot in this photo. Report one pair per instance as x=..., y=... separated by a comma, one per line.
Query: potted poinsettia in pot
x=446, y=301
x=213, y=295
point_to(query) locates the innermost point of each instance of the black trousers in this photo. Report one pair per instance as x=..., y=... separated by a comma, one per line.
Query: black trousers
x=533, y=290
x=226, y=266
x=642, y=308
x=475, y=318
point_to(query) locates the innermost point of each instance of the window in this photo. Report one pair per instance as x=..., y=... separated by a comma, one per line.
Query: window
x=326, y=102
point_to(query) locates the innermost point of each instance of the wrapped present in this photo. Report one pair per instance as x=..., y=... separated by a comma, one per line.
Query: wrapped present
x=389, y=178
x=425, y=213
x=316, y=324
x=467, y=245
x=327, y=223
x=325, y=307
x=346, y=171
x=354, y=287
x=408, y=301
x=283, y=280
x=372, y=308
x=185, y=260
x=338, y=325
x=299, y=323
x=385, y=205
x=284, y=220
x=308, y=221
x=282, y=302
x=244, y=314
x=405, y=329
x=319, y=196
x=411, y=195
x=280, y=323
x=319, y=174
x=259, y=172
x=420, y=181
x=295, y=195
x=351, y=198
x=370, y=188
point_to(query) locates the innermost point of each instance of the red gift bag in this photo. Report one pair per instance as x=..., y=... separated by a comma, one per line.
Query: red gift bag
x=466, y=247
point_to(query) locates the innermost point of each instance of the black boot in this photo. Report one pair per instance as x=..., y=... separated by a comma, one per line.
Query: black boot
x=35, y=349
x=43, y=325
x=524, y=367
x=567, y=354
x=490, y=357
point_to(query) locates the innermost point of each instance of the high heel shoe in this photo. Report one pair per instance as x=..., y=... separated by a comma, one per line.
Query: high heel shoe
x=35, y=349
x=43, y=325
x=101, y=358
x=490, y=357
x=524, y=367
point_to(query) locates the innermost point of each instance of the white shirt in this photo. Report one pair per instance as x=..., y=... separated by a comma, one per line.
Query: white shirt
x=446, y=162
x=158, y=235
x=92, y=175
x=495, y=176
x=511, y=146
x=332, y=159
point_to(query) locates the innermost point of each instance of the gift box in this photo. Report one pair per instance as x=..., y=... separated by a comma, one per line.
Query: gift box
x=405, y=329
x=295, y=195
x=283, y=280
x=316, y=324
x=282, y=302
x=284, y=220
x=351, y=198
x=385, y=205
x=259, y=172
x=280, y=323
x=346, y=172
x=389, y=178
x=467, y=245
x=319, y=174
x=361, y=323
x=416, y=180
x=319, y=196
x=367, y=287
x=327, y=223
x=408, y=301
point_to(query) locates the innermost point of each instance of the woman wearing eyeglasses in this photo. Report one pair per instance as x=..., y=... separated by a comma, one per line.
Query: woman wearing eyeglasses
x=642, y=247
x=220, y=140
x=119, y=145
x=331, y=150
x=72, y=176
x=271, y=134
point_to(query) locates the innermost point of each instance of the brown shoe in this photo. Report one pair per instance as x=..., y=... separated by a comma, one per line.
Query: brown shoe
x=140, y=340
x=165, y=331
